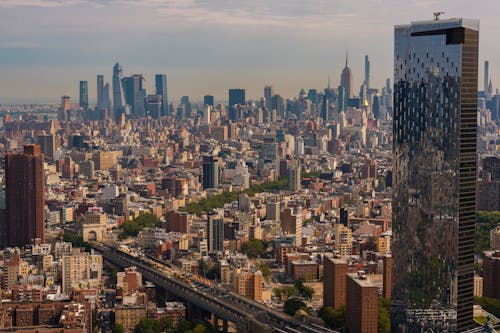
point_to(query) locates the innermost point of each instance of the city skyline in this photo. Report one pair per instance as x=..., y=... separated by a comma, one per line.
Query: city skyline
x=263, y=45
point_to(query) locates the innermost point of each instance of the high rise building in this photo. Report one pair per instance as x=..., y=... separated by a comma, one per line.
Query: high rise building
x=154, y=106
x=135, y=95
x=106, y=97
x=486, y=75
x=215, y=232
x=334, y=282
x=340, y=99
x=491, y=274
x=343, y=239
x=236, y=97
x=210, y=172
x=47, y=143
x=294, y=178
x=361, y=303
x=161, y=89
x=100, y=87
x=84, y=95
x=346, y=79
x=208, y=100
x=268, y=95
x=249, y=284
x=25, y=197
x=367, y=73
x=118, y=95
x=291, y=223
x=65, y=106
x=434, y=177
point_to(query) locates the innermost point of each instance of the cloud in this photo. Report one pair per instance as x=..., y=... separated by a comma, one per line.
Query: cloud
x=40, y=3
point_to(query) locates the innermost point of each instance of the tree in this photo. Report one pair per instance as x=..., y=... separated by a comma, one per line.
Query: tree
x=264, y=268
x=183, y=326
x=284, y=293
x=292, y=305
x=167, y=324
x=303, y=290
x=147, y=325
x=384, y=317
x=254, y=248
x=132, y=228
x=333, y=318
x=117, y=328
x=200, y=329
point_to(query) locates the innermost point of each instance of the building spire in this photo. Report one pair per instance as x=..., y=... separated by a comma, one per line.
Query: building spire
x=329, y=82
x=346, y=58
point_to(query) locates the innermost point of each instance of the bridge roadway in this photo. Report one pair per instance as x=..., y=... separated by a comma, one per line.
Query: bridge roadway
x=248, y=315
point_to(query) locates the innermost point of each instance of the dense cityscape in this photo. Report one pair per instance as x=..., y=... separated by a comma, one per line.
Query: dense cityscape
x=341, y=209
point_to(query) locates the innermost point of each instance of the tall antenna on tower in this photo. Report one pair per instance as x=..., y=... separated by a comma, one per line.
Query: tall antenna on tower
x=437, y=15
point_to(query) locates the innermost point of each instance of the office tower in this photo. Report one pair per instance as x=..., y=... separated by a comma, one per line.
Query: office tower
x=84, y=95
x=367, y=73
x=47, y=143
x=135, y=95
x=491, y=274
x=100, y=87
x=207, y=114
x=434, y=177
x=187, y=106
x=106, y=101
x=324, y=109
x=346, y=79
x=486, y=75
x=268, y=95
x=491, y=164
x=249, y=284
x=334, y=282
x=294, y=178
x=208, y=100
x=154, y=106
x=376, y=107
x=215, y=232
x=210, y=172
x=161, y=89
x=118, y=95
x=361, y=304
x=63, y=110
x=340, y=99
x=236, y=97
x=25, y=197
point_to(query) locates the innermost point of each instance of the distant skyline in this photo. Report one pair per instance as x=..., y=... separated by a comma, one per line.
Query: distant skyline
x=209, y=46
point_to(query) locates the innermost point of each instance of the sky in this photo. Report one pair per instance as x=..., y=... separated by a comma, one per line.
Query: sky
x=208, y=46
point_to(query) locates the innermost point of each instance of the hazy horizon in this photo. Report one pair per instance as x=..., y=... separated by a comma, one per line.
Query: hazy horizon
x=207, y=47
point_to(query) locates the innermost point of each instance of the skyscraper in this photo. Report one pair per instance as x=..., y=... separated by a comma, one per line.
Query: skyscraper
x=65, y=106
x=84, y=95
x=210, y=172
x=135, y=95
x=100, y=87
x=208, y=100
x=367, y=72
x=346, y=79
x=334, y=282
x=268, y=94
x=340, y=99
x=25, y=197
x=486, y=75
x=236, y=96
x=435, y=170
x=118, y=96
x=154, y=106
x=215, y=232
x=161, y=89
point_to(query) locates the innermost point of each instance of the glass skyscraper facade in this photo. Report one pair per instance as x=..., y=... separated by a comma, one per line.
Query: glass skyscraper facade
x=435, y=171
x=84, y=95
x=161, y=89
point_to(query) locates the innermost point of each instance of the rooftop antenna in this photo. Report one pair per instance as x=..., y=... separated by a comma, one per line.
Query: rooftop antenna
x=437, y=15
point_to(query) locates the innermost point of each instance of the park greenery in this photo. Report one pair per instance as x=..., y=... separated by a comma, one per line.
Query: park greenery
x=298, y=290
x=485, y=221
x=219, y=200
x=492, y=305
x=254, y=248
x=76, y=240
x=133, y=227
x=294, y=304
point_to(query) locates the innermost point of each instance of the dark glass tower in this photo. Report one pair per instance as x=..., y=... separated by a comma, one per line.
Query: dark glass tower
x=434, y=197
x=210, y=172
x=208, y=100
x=84, y=95
x=236, y=96
x=161, y=89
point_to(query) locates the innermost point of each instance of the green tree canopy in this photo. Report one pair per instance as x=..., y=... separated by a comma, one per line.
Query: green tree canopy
x=333, y=318
x=384, y=317
x=147, y=325
x=254, y=248
x=292, y=305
